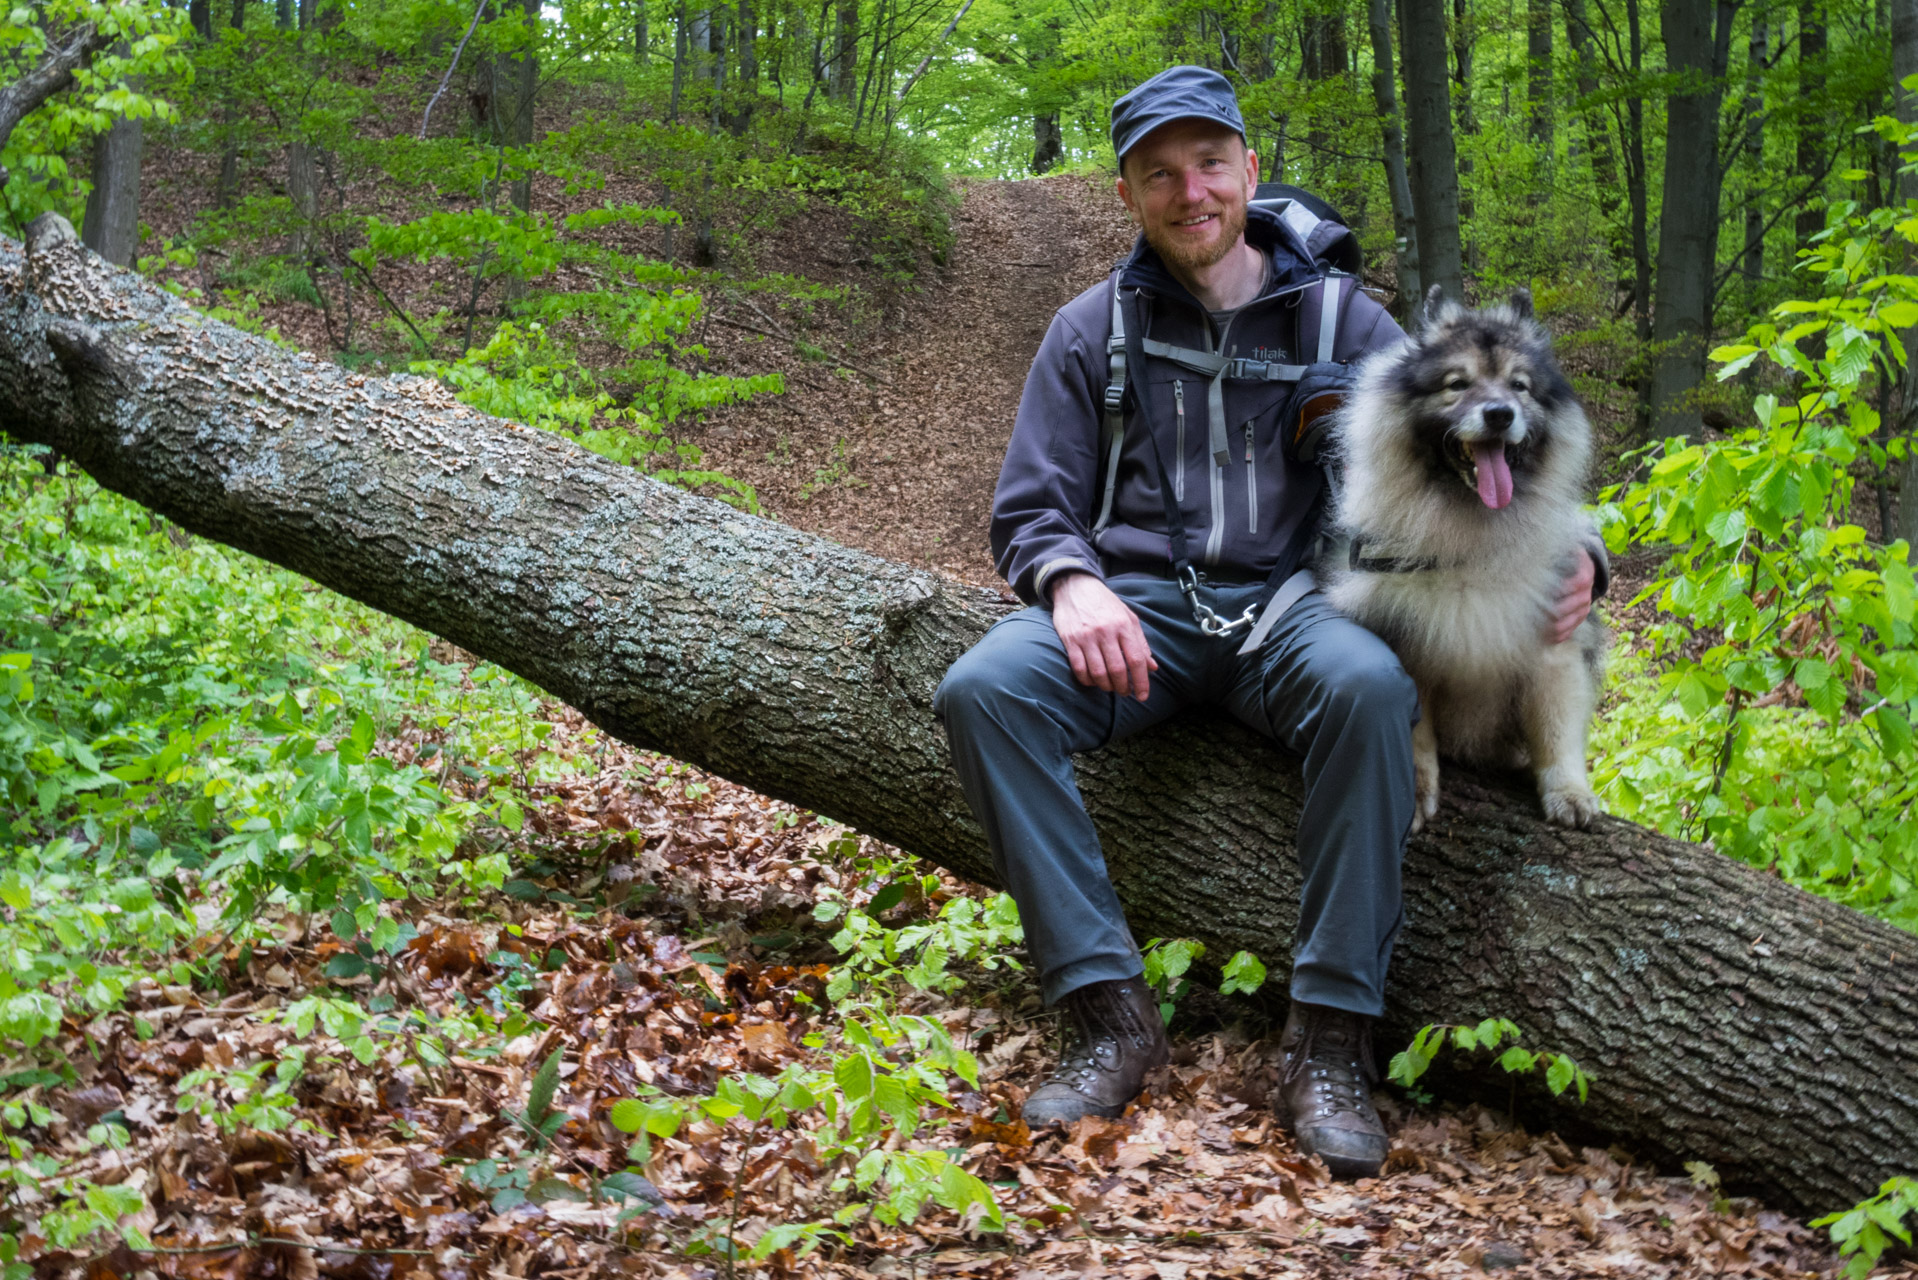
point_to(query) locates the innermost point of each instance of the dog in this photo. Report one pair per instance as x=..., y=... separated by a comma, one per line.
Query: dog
x=1464, y=454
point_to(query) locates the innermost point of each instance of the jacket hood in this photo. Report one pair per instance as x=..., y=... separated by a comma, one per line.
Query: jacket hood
x=1265, y=231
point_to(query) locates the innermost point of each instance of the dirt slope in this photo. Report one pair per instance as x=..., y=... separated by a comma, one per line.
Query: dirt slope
x=906, y=469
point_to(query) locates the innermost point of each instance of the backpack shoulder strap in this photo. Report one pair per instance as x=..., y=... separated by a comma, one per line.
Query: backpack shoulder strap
x=1114, y=404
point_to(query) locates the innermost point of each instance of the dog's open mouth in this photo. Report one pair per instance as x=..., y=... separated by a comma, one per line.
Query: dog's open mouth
x=1483, y=466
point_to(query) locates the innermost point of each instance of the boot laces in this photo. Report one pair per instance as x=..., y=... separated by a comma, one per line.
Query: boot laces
x=1098, y=1016
x=1336, y=1048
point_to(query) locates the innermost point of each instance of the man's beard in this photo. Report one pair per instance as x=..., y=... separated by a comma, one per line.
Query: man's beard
x=1176, y=251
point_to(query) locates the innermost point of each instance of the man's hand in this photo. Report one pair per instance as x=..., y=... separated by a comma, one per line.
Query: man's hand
x=1104, y=641
x=1574, y=600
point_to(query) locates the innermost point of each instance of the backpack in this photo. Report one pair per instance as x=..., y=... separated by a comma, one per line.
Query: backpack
x=1319, y=388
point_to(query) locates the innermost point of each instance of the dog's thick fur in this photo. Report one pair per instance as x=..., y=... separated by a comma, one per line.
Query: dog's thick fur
x=1469, y=560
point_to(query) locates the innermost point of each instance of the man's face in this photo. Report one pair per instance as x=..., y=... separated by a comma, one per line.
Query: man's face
x=1187, y=184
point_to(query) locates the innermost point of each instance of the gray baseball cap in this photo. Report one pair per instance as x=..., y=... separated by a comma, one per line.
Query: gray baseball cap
x=1177, y=93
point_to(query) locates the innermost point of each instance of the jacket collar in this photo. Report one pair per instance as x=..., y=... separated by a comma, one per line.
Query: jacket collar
x=1264, y=231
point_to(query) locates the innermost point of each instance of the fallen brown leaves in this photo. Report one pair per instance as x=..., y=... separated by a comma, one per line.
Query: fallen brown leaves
x=703, y=962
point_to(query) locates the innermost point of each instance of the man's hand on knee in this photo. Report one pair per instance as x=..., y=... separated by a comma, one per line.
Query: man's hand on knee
x=1574, y=600
x=1103, y=638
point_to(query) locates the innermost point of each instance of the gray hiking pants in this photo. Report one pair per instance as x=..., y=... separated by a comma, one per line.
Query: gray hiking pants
x=1322, y=686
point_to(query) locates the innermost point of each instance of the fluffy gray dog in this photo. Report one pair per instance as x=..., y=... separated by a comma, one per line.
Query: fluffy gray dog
x=1465, y=455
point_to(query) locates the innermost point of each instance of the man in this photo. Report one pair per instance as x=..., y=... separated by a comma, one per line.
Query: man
x=1111, y=646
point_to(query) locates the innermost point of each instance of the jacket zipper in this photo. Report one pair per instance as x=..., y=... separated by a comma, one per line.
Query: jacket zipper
x=1251, y=484
x=1178, y=474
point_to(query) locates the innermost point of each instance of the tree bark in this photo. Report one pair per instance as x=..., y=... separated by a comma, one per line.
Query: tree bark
x=1812, y=160
x=1463, y=40
x=111, y=227
x=1725, y=1016
x=1638, y=193
x=1538, y=78
x=1751, y=258
x=1405, y=231
x=1688, y=217
x=1048, y=142
x=1428, y=118
x=845, y=58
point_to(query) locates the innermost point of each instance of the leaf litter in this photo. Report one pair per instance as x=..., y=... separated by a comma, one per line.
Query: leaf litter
x=662, y=935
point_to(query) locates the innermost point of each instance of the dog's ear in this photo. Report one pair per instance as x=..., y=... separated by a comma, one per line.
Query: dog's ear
x=1521, y=303
x=1434, y=304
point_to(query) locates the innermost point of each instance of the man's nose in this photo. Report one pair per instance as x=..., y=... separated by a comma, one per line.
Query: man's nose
x=1195, y=188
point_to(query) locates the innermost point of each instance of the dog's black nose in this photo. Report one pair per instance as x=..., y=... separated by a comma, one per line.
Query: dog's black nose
x=1498, y=416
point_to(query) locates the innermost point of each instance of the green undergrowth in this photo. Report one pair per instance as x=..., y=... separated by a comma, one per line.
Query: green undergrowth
x=188, y=743
x=1767, y=707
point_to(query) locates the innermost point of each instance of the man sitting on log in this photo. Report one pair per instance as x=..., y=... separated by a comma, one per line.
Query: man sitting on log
x=1128, y=435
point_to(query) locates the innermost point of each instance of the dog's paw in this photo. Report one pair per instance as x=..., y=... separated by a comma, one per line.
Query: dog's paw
x=1425, y=808
x=1571, y=806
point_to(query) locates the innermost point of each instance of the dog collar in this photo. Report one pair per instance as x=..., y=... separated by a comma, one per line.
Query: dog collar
x=1359, y=562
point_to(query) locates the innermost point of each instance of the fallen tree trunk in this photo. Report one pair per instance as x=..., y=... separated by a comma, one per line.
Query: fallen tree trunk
x=1726, y=1016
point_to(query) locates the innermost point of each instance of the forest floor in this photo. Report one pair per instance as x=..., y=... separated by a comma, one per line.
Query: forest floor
x=660, y=931
x=707, y=963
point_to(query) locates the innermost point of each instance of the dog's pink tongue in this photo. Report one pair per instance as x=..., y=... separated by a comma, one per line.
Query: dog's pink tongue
x=1494, y=476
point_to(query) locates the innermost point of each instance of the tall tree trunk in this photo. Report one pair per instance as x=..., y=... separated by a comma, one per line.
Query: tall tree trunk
x=746, y=36
x=1904, y=65
x=1048, y=142
x=682, y=51
x=1538, y=77
x=200, y=14
x=1428, y=120
x=642, y=40
x=1688, y=216
x=1463, y=38
x=845, y=58
x=227, y=187
x=1638, y=193
x=1812, y=160
x=1724, y=1015
x=1596, y=137
x=303, y=189
x=1751, y=258
x=1322, y=58
x=516, y=85
x=1405, y=231
x=111, y=227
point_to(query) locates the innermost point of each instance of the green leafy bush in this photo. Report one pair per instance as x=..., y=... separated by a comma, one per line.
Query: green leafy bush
x=182, y=724
x=1865, y=1231
x=1784, y=657
x=1561, y=1073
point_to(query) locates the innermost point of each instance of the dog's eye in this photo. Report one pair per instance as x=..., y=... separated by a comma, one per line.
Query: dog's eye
x=1457, y=383
x=1521, y=385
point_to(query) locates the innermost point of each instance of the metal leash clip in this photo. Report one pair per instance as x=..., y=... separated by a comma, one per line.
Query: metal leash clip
x=1210, y=621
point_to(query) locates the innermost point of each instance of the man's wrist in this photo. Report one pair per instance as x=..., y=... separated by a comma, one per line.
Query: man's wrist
x=1053, y=574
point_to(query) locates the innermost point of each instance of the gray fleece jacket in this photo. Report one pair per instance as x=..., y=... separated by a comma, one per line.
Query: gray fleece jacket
x=1241, y=508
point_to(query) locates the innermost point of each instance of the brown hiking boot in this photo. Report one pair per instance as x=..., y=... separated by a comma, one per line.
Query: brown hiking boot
x=1326, y=1093
x=1114, y=1036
